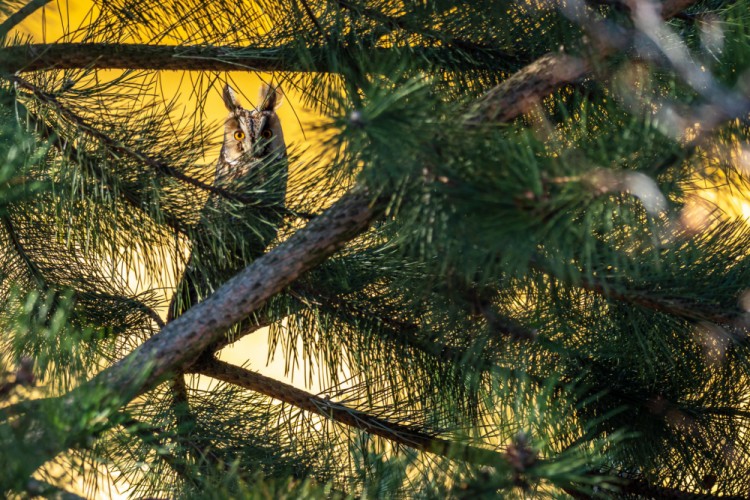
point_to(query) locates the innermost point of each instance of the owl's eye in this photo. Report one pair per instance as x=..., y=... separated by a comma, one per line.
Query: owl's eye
x=239, y=135
x=267, y=133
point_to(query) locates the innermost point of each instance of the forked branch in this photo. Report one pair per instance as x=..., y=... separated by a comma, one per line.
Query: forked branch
x=183, y=340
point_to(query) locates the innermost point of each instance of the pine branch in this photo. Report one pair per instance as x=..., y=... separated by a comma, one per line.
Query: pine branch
x=473, y=48
x=119, y=148
x=75, y=155
x=17, y=17
x=407, y=332
x=181, y=341
x=152, y=436
x=311, y=15
x=59, y=56
x=675, y=306
x=505, y=102
x=34, y=272
x=684, y=308
x=399, y=433
x=527, y=87
x=185, y=338
x=42, y=283
x=408, y=436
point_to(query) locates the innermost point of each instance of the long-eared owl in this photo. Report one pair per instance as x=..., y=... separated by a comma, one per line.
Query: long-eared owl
x=239, y=223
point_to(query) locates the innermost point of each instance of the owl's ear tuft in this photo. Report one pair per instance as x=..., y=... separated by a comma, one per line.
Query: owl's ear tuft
x=270, y=98
x=230, y=98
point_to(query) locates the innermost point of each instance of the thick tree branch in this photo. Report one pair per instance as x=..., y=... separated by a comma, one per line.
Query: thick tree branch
x=57, y=56
x=399, y=433
x=527, y=87
x=181, y=341
x=185, y=338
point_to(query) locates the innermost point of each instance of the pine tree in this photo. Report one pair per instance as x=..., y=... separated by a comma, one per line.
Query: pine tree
x=497, y=261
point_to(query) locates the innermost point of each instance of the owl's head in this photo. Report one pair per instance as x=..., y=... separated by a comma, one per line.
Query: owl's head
x=252, y=133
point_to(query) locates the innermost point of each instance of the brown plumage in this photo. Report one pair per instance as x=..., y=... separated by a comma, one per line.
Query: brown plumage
x=250, y=135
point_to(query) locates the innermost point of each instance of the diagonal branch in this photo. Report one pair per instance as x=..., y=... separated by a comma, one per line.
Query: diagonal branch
x=185, y=338
x=181, y=341
x=75, y=155
x=525, y=88
x=116, y=146
x=399, y=433
x=408, y=436
x=528, y=86
x=18, y=16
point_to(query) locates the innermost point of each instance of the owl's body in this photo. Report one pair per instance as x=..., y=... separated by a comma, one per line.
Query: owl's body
x=231, y=235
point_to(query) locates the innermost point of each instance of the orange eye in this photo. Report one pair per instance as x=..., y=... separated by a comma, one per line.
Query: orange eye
x=239, y=135
x=267, y=133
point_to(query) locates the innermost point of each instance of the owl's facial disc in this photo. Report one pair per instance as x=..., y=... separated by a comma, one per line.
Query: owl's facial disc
x=237, y=138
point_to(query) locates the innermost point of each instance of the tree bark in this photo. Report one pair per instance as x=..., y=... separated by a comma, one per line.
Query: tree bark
x=134, y=56
x=181, y=341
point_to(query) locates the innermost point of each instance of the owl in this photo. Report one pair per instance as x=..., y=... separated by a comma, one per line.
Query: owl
x=250, y=136
x=230, y=235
